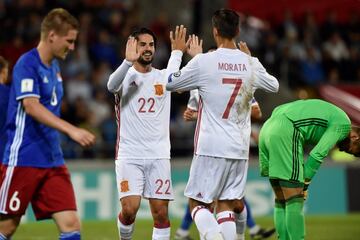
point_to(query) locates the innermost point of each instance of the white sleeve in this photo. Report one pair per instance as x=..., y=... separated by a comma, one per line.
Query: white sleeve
x=193, y=102
x=264, y=80
x=185, y=79
x=174, y=62
x=116, y=78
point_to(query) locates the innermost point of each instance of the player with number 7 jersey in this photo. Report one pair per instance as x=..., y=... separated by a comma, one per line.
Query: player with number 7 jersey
x=226, y=79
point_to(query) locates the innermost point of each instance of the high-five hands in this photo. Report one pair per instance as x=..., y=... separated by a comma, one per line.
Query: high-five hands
x=177, y=39
x=131, y=53
x=195, y=45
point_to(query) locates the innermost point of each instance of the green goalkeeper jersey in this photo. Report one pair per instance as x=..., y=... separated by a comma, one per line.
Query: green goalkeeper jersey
x=291, y=127
x=321, y=123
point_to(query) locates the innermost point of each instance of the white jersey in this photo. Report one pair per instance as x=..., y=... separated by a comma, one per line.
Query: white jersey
x=143, y=111
x=226, y=79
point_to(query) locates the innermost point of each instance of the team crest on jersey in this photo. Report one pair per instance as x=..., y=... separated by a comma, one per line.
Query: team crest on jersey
x=159, y=89
x=124, y=186
x=45, y=80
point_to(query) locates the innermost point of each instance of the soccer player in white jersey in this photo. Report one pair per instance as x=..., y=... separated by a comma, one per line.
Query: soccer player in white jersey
x=255, y=231
x=226, y=79
x=143, y=116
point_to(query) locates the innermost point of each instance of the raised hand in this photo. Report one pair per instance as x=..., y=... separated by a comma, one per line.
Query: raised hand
x=131, y=53
x=177, y=39
x=244, y=48
x=195, y=46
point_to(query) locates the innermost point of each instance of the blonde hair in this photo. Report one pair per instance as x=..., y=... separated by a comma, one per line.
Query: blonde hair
x=60, y=21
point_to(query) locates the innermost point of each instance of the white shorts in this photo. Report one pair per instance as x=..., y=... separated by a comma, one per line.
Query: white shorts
x=149, y=178
x=213, y=178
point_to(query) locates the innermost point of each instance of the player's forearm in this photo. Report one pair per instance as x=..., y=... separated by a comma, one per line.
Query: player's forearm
x=117, y=77
x=180, y=81
x=186, y=79
x=174, y=61
x=177, y=85
x=266, y=81
x=41, y=114
x=311, y=167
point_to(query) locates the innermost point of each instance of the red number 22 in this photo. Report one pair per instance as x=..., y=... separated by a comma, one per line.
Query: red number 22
x=166, y=184
x=142, y=108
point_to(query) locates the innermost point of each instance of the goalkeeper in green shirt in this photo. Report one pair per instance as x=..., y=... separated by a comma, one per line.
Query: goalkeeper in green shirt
x=281, y=149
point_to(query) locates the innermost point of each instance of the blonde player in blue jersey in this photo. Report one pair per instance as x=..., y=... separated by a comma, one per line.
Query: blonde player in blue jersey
x=282, y=139
x=33, y=168
x=227, y=79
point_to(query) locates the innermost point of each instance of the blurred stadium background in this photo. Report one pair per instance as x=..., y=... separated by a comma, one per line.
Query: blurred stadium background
x=312, y=47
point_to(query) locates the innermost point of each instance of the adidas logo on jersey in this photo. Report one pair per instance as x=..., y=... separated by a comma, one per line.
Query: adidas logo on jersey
x=199, y=195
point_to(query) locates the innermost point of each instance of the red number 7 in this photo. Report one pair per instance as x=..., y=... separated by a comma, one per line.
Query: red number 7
x=235, y=92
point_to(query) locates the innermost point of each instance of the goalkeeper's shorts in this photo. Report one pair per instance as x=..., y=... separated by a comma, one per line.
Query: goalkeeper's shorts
x=281, y=153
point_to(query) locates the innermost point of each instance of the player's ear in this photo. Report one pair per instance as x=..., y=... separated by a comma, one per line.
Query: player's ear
x=215, y=32
x=355, y=134
x=51, y=36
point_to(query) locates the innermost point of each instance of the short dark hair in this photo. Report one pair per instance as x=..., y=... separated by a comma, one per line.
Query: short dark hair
x=142, y=31
x=59, y=20
x=227, y=23
x=3, y=63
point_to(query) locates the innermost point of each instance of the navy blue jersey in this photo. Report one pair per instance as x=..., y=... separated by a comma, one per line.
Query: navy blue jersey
x=4, y=100
x=31, y=143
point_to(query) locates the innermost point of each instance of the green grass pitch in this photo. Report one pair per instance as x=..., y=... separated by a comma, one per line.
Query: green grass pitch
x=332, y=227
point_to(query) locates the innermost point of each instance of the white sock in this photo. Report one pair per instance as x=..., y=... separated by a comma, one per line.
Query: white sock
x=206, y=223
x=125, y=231
x=241, y=224
x=254, y=229
x=226, y=220
x=161, y=233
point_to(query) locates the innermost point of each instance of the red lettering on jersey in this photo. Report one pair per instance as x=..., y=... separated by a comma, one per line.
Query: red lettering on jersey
x=221, y=66
x=159, y=89
x=238, y=67
x=124, y=186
